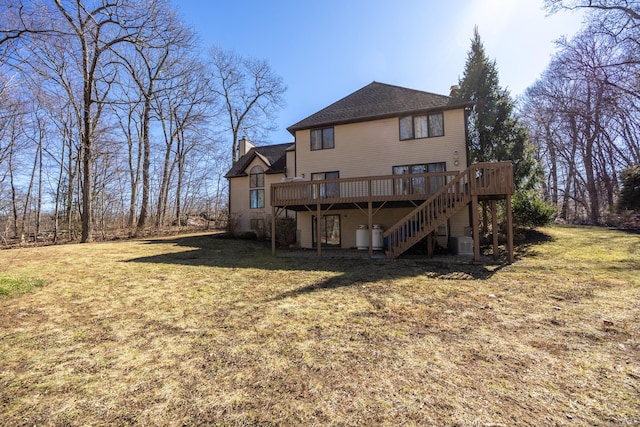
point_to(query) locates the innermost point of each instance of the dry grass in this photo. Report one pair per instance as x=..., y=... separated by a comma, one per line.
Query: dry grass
x=195, y=330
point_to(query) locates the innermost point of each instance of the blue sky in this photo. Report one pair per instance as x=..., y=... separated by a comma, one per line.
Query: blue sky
x=324, y=50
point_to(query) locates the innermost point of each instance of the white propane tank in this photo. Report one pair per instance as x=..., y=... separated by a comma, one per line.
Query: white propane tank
x=362, y=237
x=378, y=240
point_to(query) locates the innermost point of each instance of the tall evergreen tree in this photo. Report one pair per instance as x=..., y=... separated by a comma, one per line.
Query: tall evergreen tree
x=495, y=132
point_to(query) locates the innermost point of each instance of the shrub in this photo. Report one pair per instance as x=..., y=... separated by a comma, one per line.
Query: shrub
x=630, y=192
x=259, y=226
x=233, y=224
x=530, y=211
x=247, y=235
x=625, y=220
x=285, y=231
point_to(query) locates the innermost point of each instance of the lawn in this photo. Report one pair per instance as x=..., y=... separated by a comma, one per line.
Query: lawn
x=199, y=330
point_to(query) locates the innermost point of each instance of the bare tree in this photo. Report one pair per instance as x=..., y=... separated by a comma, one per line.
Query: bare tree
x=251, y=91
x=13, y=150
x=582, y=120
x=630, y=8
x=101, y=79
x=166, y=43
x=97, y=31
x=617, y=21
x=129, y=118
x=182, y=109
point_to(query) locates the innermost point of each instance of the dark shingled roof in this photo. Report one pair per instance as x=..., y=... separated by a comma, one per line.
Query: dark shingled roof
x=274, y=155
x=377, y=101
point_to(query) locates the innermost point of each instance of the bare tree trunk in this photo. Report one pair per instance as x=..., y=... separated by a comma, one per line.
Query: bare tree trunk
x=146, y=162
x=553, y=173
x=73, y=165
x=179, y=194
x=134, y=176
x=164, y=185
x=39, y=202
x=27, y=200
x=592, y=188
x=56, y=213
x=87, y=180
x=571, y=165
x=133, y=136
x=14, y=201
x=180, y=158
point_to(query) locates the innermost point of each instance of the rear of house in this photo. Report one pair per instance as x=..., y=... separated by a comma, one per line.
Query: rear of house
x=368, y=161
x=380, y=130
x=249, y=181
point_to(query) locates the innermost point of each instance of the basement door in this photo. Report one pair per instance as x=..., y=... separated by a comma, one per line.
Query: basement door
x=329, y=230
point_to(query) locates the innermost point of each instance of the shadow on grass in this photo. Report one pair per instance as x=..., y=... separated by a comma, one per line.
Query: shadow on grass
x=368, y=272
x=526, y=240
x=214, y=251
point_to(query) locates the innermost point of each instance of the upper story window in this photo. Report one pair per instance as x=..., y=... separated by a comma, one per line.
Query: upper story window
x=321, y=139
x=256, y=177
x=256, y=184
x=423, y=126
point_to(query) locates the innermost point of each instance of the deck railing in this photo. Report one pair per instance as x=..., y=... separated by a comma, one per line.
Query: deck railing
x=483, y=178
x=425, y=218
x=491, y=178
x=363, y=189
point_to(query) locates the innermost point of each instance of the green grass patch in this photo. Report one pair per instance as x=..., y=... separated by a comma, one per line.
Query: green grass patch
x=11, y=287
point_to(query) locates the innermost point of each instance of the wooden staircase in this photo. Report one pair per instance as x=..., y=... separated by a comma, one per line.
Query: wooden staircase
x=425, y=218
x=485, y=179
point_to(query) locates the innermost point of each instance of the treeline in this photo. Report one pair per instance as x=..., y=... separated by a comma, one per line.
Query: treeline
x=112, y=120
x=583, y=114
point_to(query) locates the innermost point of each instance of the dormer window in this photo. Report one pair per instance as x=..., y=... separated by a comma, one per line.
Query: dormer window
x=421, y=126
x=256, y=185
x=256, y=177
x=321, y=139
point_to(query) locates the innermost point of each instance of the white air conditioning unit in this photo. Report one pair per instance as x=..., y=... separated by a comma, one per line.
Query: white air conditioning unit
x=462, y=245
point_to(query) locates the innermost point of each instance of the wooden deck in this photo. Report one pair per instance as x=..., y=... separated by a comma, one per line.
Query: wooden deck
x=435, y=197
x=482, y=179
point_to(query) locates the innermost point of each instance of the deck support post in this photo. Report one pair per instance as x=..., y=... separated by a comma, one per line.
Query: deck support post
x=494, y=227
x=510, y=230
x=370, y=223
x=318, y=225
x=485, y=218
x=476, y=226
x=430, y=245
x=273, y=230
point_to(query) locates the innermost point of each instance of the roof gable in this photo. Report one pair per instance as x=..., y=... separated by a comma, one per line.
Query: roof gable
x=374, y=101
x=273, y=156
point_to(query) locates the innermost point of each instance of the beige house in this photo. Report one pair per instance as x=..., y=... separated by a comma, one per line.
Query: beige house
x=384, y=168
x=250, y=179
